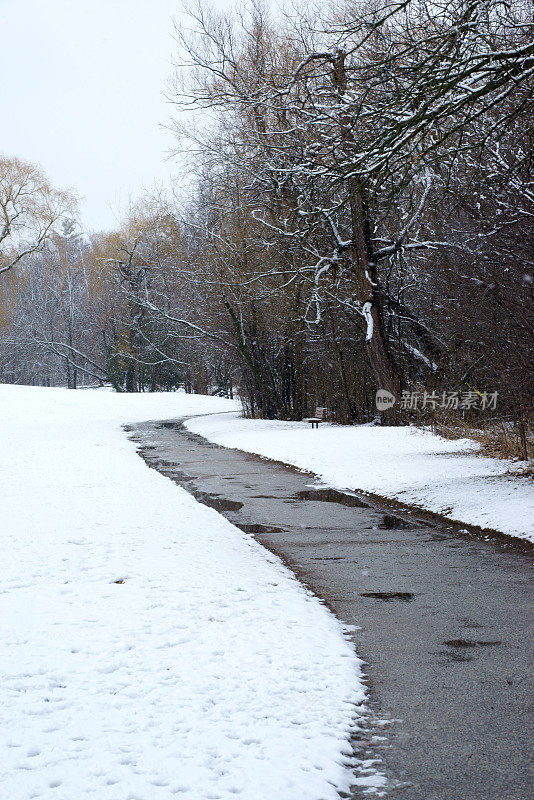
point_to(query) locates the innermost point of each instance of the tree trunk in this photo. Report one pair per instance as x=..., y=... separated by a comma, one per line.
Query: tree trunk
x=381, y=360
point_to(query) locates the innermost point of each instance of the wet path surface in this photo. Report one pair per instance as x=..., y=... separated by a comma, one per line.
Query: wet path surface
x=444, y=622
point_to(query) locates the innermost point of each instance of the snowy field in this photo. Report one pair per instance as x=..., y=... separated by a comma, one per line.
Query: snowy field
x=151, y=650
x=404, y=463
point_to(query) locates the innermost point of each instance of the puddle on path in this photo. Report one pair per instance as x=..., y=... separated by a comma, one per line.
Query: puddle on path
x=331, y=496
x=389, y=595
x=393, y=523
x=328, y=558
x=257, y=528
x=470, y=643
x=218, y=503
x=455, y=656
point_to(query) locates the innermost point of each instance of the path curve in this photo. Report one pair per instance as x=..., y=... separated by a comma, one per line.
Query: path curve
x=442, y=621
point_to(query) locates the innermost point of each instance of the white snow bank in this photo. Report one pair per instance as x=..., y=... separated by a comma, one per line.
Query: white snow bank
x=149, y=648
x=401, y=463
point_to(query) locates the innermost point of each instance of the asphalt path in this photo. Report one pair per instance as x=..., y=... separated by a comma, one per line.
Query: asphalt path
x=442, y=619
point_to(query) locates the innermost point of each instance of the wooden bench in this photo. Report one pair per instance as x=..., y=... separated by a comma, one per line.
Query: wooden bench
x=320, y=416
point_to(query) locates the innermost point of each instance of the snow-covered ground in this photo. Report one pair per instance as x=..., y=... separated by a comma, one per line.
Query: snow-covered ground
x=151, y=650
x=401, y=463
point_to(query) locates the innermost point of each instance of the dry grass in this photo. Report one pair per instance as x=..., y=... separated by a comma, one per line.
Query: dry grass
x=499, y=438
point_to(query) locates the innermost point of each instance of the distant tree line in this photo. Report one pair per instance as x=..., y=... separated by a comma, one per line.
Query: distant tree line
x=359, y=216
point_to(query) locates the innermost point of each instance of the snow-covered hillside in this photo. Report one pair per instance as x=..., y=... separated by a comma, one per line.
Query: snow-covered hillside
x=150, y=649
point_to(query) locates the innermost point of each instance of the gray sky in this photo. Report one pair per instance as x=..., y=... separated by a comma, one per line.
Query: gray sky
x=81, y=92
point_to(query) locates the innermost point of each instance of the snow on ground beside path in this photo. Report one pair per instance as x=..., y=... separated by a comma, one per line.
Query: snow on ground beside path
x=150, y=649
x=401, y=463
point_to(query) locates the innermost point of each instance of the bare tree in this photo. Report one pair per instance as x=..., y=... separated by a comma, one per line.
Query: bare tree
x=30, y=208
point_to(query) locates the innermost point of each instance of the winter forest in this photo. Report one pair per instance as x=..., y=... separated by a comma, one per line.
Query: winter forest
x=356, y=213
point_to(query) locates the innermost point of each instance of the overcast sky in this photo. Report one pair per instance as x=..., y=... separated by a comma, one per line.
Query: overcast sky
x=82, y=92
